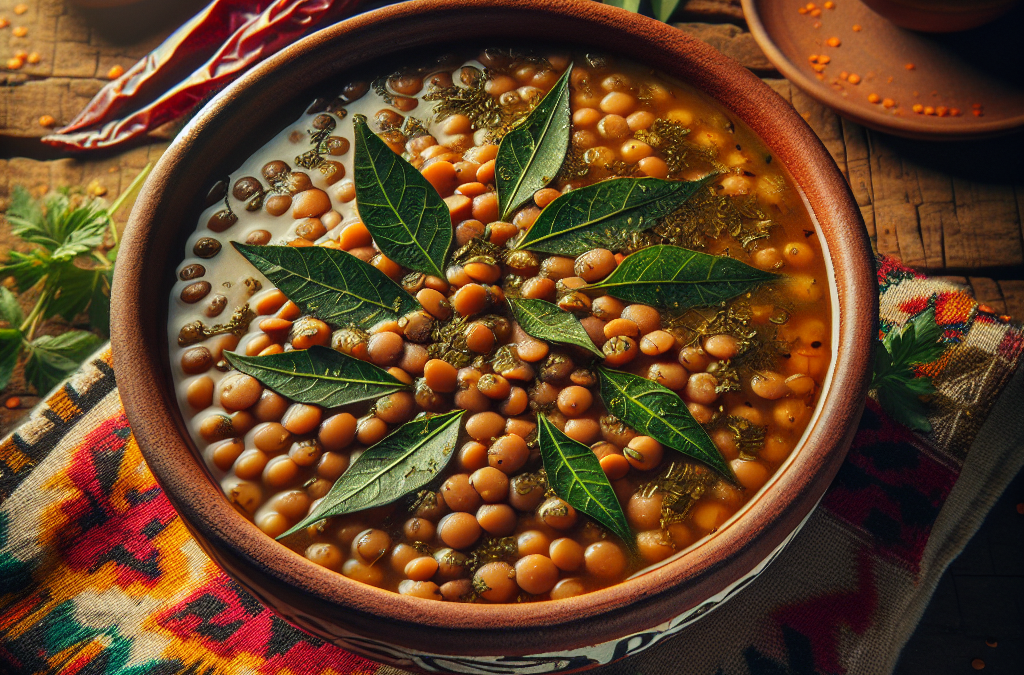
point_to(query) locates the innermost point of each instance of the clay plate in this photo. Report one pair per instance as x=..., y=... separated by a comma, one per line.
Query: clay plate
x=327, y=603
x=956, y=70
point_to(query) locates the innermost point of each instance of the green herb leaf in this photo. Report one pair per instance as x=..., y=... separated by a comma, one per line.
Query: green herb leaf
x=658, y=412
x=334, y=286
x=10, y=349
x=409, y=221
x=677, y=278
x=546, y=321
x=399, y=465
x=51, y=359
x=918, y=342
x=531, y=154
x=318, y=375
x=895, y=380
x=605, y=214
x=575, y=474
x=664, y=9
x=10, y=310
x=628, y=5
x=74, y=289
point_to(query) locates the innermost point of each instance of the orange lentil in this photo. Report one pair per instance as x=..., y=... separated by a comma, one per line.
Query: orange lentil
x=955, y=112
x=815, y=12
x=824, y=58
x=20, y=8
x=810, y=6
x=888, y=103
x=929, y=110
x=33, y=57
x=834, y=42
x=115, y=72
x=854, y=78
x=813, y=58
x=830, y=5
x=14, y=64
x=874, y=98
x=918, y=108
x=12, y=403
x=993, y=643
x=4, y=23
x=856, y=28
x=978, y=112
x=47, y=121
x=802, y=10
x=910, y=66
x=978, y=664
x=21, y=54
x=843, y=75
x=942, y=111
x=20, y=31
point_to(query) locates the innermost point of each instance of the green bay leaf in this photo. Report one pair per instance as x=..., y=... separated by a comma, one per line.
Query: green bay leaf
x=409, y=221
x=575, y=474
x=604, y=214
x=399, y=465
x=673, y=277
x=317, y=375
x=547, y=321
x=531, y=154
x=331, y=285
x=656, y=411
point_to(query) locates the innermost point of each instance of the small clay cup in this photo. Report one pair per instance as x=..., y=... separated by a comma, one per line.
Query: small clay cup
x=361, y=617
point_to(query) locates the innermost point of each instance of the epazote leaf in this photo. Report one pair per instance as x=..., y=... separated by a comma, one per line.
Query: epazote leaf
x=10, y=310
x=409, y=221
x=400, y=464
x=331, y=285
x=547, y=321
x=673, y=277
x=52, y=358
x=605, y=214
x=318, y=375
x=656, y=411
x=10, y=349
x=531, y=154
x=575, y=474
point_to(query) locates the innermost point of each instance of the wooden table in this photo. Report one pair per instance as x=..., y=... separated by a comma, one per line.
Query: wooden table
x=946, y=209
x=952, y=210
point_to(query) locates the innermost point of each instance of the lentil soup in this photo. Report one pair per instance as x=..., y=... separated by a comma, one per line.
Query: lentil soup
x=566, y=182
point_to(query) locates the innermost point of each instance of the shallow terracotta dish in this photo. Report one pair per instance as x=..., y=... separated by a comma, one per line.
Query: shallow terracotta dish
x=556, y=636
x=946, y=87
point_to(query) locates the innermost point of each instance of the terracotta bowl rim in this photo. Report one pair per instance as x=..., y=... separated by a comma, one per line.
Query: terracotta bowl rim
x=157, y=421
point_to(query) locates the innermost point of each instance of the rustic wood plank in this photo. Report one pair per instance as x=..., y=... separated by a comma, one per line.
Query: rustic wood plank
x=1013, y=297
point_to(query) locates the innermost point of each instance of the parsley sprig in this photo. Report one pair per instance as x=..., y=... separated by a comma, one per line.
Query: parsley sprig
x=895, y=381
x=71, y=265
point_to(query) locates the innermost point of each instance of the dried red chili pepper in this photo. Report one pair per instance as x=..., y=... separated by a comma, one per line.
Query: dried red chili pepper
x=184, y=51
x=277, y=26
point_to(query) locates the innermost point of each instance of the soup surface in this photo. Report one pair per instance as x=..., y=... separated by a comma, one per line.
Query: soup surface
x=383, y=412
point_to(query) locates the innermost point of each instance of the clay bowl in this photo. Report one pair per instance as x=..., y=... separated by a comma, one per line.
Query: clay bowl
x=570, y=634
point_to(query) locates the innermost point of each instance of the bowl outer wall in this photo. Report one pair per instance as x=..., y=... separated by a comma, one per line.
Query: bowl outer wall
x=318, y=599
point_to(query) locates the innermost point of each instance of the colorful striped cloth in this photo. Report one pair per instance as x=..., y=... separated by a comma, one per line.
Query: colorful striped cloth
x=98, y=575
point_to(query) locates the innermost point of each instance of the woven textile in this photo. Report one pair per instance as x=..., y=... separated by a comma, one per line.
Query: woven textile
x=98, y=574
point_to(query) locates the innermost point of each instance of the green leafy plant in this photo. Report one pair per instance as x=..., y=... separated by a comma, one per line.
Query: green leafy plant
x=895, y=381
x=662, y=10
x=71, y=268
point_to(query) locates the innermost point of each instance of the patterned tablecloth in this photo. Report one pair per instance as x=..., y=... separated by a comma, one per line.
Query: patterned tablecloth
x=98, y=574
